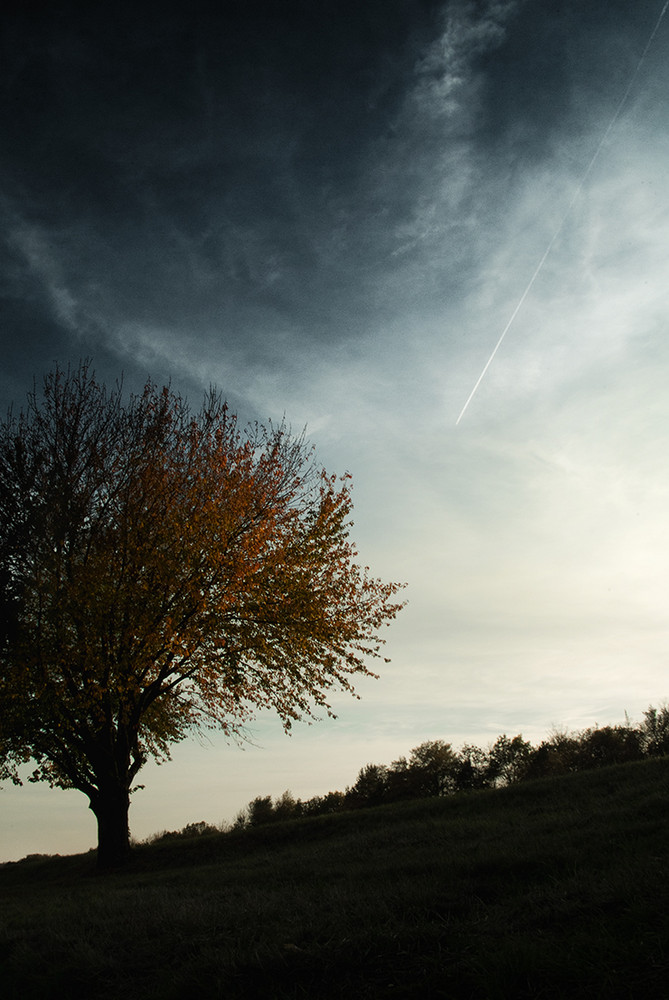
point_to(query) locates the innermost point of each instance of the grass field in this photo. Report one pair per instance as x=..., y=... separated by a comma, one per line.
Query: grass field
x=553, y=888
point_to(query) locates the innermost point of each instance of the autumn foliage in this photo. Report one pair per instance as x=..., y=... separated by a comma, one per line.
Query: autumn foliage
x=161, y=571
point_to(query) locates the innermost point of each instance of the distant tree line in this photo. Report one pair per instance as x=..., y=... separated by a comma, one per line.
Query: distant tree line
x=435, y=769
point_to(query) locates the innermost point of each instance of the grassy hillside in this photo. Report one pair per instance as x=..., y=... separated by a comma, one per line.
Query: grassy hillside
x=555, y=888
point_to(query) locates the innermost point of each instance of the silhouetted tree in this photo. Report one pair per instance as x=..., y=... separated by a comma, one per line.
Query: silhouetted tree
x=508, y=759
x=471, y=769
x=370, y=788
x=602, y=746
x=260, y=810
x=543, y=762
x=654, y=731
x=559, y=754
x=287, y=806
x=399, y=782
x=324, y=805
x=162, y=570
x=433, y=766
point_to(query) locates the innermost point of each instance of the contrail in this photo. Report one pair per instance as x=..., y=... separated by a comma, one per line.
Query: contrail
x=577, y=192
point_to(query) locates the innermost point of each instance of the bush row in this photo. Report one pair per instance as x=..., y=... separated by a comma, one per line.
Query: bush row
x=434, y=768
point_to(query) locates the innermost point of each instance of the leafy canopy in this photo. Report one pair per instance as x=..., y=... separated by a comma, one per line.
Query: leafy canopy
x=164, y=570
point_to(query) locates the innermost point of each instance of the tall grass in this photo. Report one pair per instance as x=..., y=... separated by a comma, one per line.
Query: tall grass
x=554, y=888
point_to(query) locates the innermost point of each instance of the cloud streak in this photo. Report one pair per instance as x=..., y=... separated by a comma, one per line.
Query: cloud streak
x=560, y=227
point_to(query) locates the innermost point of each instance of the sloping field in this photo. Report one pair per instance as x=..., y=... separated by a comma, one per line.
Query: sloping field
x=554, y=888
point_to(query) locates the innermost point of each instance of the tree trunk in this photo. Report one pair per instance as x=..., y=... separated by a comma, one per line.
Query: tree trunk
x=111, y=805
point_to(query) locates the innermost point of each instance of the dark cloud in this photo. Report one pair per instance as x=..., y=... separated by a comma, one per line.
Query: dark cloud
x=198, y=166
x=141, y=98
x=244, y=175
x=559, y=70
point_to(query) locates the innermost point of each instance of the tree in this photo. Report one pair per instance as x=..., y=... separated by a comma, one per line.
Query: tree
x=260, y=810
x=287, y=806
x=471, y=769
x=370, y=788
x=508, y=759
x=559, y=754
x=430, y=771
x=654, y=731
x=324, y=805
x=163, y=570
x=434, y=765
x=601, y=747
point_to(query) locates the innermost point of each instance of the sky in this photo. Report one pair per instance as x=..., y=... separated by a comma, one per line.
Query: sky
x=331, y=210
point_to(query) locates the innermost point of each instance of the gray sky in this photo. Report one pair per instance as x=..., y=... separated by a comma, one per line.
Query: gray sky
x=331, y=210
